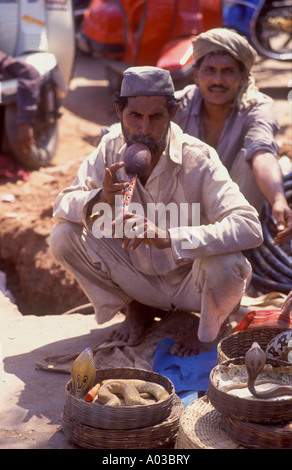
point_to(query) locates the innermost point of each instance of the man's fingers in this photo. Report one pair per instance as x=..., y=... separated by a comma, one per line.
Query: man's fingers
x=282, y=236
x=107, y=179
x=110, y=173
x=111, y=187
x=280, y=224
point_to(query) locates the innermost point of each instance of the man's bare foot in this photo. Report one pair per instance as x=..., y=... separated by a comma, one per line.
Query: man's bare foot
x=138, y=317
x=190, y=345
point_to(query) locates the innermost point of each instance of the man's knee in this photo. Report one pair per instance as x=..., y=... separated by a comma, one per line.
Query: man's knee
x=228, y=269
x=226, y=279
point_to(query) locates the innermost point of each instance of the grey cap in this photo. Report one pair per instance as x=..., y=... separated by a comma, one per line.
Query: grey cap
x=146, y=81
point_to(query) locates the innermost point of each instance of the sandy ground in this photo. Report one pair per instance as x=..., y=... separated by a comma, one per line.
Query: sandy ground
x=31, y=400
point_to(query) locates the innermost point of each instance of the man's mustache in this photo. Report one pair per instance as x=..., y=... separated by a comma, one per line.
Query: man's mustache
x=152, y=144
x=217, y=87
x=140, y=139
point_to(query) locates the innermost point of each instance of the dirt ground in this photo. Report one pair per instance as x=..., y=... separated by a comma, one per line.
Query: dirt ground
x=31, y=401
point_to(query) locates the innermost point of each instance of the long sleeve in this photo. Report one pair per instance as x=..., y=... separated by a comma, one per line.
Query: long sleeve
x=188, y=175
x=225, y=223
x=71, y=204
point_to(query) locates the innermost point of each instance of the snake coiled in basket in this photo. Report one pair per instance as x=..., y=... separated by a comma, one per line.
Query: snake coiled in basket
x=130, y=390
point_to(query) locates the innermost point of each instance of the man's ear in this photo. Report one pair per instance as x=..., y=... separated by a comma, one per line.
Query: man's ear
x=118, y=111
x=174, y=112
x=196, y=81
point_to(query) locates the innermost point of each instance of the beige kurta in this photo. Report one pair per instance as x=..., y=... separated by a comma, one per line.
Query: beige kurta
x=220, y=221
x=245, y=132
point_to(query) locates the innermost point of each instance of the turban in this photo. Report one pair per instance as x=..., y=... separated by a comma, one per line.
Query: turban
x=147, y=81
x=221, y=39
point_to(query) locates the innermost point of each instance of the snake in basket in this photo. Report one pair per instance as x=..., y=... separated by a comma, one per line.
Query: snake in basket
x=83, y=375
x=255, y=360
x=130, y=390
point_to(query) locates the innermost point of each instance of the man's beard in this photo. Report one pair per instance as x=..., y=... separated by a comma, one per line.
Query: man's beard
x=153, y=145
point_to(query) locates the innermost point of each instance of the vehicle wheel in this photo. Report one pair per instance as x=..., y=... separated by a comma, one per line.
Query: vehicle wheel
x=274, y=32
x=45, y=130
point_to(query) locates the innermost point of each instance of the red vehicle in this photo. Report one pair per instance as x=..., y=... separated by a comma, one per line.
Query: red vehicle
x=146, y=32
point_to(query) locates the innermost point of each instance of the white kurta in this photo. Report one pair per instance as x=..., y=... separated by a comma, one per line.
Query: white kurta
x=190, y=173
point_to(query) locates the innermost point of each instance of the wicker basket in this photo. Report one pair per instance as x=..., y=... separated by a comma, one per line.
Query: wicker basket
x=249, y=408
x=237, y=344
x=162, y=435
x=122, y=417
x=258, y=436
x=200, y=428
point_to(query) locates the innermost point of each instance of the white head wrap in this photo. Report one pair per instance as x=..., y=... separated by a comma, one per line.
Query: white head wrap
x=221, y=39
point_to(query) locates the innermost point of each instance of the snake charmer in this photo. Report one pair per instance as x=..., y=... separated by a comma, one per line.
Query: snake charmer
x=181, y=248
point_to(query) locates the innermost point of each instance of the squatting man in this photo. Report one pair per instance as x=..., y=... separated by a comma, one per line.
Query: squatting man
x=195, y=268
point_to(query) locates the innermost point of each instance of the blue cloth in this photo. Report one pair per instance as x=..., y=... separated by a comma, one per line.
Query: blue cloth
x=189, y=374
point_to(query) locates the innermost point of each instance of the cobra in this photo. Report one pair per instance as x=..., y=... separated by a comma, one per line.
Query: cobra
x=255, y=360
x=130, y=390
x=83, y=373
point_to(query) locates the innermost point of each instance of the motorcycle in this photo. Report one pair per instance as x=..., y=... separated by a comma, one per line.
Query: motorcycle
x=124, y=33
x=42, y=34
x=267, y=24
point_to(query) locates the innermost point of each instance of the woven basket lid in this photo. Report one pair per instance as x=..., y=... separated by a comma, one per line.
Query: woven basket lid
x=200, y=428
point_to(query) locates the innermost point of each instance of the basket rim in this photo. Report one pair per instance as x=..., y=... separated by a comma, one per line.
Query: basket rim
x=124, y=417
x=125, y=369
x=257, y=435
x=200, y=427
x=249, y=408
x=100, y=438
x=253, y=333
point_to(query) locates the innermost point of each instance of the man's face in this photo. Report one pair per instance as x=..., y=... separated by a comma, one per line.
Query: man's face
x=146, y=120
x=219, y=79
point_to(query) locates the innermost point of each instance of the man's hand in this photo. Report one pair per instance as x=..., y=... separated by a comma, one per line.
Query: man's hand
x=111, y=187
x=283, y=218
x=25, y=137
x=140, y=229
x=269, y=178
